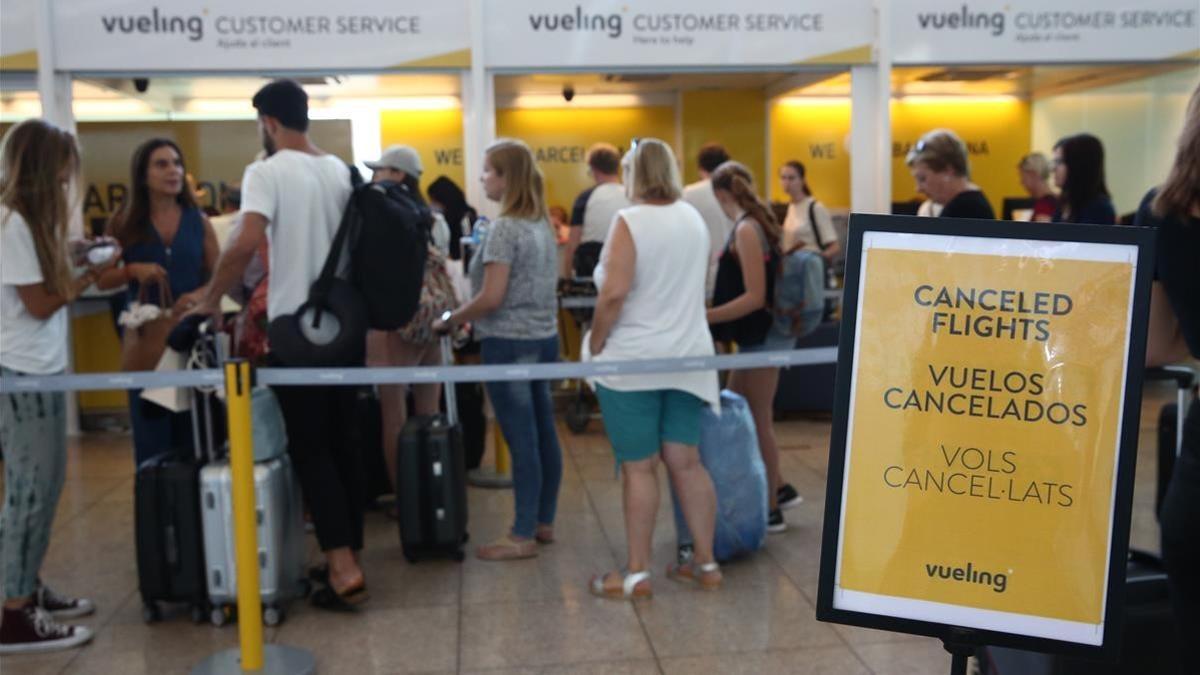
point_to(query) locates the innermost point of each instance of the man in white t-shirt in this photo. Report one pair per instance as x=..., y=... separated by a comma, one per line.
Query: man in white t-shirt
x=700, y=195
x=295, y=198
x=596, y=207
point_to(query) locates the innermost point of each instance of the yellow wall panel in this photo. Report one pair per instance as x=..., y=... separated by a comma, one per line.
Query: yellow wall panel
x=97, y=350
x=735, y=118
x=437, y=135
x=817, y=133
x=560, y=138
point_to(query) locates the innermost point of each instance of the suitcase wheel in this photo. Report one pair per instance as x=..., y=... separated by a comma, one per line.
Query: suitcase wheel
x=458, y=556
x=411, y=557
x=579, y=413
x=219, y=616
x=272, y=615
x=151, y=613
x=198, y=614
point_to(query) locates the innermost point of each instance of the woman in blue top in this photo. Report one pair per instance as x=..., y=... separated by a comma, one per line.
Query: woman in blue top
x=1079, y=172
x=166, y=239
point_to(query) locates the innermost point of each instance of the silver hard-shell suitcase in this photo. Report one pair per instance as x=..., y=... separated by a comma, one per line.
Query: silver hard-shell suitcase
x=280, y=525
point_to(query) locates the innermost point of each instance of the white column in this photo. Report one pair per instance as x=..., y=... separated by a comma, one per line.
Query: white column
x=871, y=124
x=54, y=90
x=479, y=113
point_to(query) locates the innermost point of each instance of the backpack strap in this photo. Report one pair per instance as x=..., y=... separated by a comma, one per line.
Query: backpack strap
x=320, y=288
x=812, y=222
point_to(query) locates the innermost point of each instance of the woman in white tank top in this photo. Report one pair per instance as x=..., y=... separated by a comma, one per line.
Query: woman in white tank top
x=651, y=305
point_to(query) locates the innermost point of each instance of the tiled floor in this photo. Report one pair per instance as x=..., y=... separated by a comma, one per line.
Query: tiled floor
x=532, y=616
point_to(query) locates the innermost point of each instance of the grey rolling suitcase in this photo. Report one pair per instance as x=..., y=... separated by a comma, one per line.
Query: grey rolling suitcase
x=280, y=524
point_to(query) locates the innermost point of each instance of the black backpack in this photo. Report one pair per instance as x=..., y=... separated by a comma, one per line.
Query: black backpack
x=372, y=278
x=389, y=238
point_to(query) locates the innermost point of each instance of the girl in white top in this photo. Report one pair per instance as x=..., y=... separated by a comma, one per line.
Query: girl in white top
x=651, y=304
x=808, y=222
x=38, y=165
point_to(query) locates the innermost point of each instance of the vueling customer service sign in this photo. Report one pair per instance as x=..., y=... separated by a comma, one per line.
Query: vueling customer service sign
x=986, y=404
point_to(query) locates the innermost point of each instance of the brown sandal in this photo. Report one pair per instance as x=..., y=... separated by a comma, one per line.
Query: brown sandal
x=707, y=576
x=507, y=548
x=634, y=586
x=544, y=534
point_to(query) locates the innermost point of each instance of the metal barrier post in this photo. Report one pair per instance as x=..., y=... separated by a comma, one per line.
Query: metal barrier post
x=253, y=656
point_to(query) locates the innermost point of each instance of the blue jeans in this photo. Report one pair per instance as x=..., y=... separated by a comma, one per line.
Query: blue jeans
x=526, y=417
x=33, y=432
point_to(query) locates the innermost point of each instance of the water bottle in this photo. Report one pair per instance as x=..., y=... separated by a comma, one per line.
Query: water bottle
x=479, y=230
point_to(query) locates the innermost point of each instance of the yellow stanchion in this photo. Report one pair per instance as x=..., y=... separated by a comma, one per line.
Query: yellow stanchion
x=241, y=463
x=503, y=459
x=253, y=656
x=499, y=477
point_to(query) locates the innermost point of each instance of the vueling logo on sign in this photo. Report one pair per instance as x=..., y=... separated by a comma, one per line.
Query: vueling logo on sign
x=968, y=575
x=155, y=23
x=578, y=22
x=964, y=19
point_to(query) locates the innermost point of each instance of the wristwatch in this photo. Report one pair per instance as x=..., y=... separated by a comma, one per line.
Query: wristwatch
x=446, y=316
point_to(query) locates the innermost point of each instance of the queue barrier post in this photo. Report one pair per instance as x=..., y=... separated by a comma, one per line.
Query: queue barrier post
x=253, y=656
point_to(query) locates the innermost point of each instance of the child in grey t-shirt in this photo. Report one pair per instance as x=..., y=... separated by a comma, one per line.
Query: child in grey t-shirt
x=530, y=249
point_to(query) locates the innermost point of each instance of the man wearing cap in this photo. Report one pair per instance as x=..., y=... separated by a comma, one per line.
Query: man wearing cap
x=401, y=164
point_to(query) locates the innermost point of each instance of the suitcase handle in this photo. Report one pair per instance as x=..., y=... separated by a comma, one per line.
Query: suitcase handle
x=448, y=387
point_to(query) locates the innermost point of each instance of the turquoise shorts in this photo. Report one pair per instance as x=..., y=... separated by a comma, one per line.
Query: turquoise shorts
x=639, y=422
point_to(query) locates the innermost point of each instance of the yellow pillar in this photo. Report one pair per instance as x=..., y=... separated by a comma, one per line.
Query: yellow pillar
x=241, y=461
x=501, y=446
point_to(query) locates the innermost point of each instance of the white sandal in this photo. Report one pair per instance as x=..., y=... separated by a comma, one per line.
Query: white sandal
x=693, y=573
x=629, y=587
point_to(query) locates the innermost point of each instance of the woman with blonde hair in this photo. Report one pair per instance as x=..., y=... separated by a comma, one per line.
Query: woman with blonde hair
x=39, y=165
x=1174, y=209
x=514, y=314
x=651, y=305
x=942, y=171
x=745, y=291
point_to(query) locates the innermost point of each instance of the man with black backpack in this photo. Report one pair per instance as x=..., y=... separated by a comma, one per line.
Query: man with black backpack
x=296, y=198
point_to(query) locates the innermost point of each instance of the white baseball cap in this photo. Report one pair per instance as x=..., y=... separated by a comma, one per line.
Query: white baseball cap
x=400, y=157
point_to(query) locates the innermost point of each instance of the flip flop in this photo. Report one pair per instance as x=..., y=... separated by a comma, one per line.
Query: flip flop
x=348, y=600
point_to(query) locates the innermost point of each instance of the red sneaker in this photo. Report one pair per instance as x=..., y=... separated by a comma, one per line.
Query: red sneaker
x=32, y=629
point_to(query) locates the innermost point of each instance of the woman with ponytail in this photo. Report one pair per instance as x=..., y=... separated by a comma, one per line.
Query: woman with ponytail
x=741, y=314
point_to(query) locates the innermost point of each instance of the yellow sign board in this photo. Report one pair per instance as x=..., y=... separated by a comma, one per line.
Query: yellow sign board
x=983, y=430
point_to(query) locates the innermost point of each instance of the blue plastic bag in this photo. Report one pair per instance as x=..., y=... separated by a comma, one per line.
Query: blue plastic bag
x=729, y=450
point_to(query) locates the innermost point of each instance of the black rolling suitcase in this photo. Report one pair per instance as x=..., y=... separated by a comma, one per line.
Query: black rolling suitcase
x=1170, y=424
x=168, y=531
x=1148, y=637
x=431, y=489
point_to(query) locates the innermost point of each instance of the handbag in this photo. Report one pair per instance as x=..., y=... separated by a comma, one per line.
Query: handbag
x=142, y=347
x=437, y=296
x=330, y=328
x=175, y=399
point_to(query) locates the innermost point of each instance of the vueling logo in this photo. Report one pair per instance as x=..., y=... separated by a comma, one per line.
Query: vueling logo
x=579, y=22
x=155, y=23
x=968, y=575
x=962, y=20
